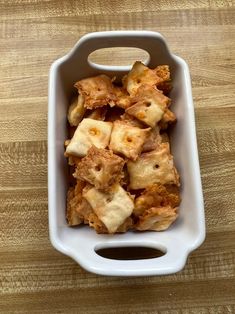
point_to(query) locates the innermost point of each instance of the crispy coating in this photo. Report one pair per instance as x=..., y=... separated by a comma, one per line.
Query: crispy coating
x=153, y=167
x=140, y=74
x=78, y=209
x=157, y=218
x=97, y=91
x=167, y=119
x=100, y=167
x=148, y=105
x=127, y=139
x=157, y=195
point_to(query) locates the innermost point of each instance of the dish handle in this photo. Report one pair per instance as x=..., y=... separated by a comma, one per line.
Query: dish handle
x=173, y=260
x=152, y=42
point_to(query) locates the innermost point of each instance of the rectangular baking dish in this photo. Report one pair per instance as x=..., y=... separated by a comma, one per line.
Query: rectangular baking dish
x=81, y=243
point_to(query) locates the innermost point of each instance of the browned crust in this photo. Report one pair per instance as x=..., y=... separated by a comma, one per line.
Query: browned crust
x=100, y=167
x=157, y=195
x=98, y=91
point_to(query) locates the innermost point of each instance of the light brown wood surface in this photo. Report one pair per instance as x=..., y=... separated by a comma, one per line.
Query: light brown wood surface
x=34, y=278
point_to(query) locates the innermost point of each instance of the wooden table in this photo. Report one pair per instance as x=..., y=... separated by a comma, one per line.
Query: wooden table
x=34, y=278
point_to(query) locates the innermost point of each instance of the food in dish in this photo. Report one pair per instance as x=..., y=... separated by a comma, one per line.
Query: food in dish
x=124, y=177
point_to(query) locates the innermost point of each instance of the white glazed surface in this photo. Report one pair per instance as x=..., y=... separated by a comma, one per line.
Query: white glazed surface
x=188, y=232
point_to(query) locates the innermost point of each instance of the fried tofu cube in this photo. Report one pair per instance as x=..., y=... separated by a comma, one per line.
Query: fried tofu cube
x=157, y=195
x=76, y=110
x=153, y=167
x=97, y=91
x=140, y=74
x=157, y=218
x=89, y=132
x=112, y=207
x=149, y=105
x=127, y=139
x=100, y=167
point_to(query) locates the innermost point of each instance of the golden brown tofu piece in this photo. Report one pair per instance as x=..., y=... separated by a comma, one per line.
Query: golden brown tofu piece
x=100, y=167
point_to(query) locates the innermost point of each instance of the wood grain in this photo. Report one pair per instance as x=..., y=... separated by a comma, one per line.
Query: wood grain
x=34, y=278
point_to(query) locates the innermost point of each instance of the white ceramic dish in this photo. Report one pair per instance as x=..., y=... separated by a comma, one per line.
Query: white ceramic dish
x=188, y=232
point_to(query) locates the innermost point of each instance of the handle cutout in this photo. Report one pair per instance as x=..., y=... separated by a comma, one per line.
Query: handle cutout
x=117, y=57
x=130, y=253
